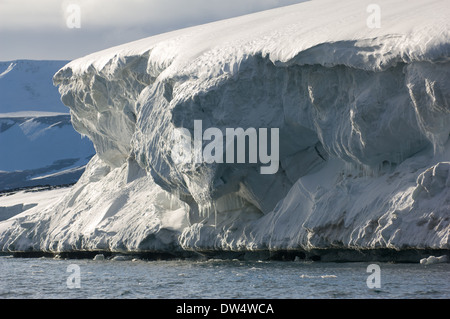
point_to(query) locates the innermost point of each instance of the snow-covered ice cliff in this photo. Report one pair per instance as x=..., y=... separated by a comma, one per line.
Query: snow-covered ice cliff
x=363, y=115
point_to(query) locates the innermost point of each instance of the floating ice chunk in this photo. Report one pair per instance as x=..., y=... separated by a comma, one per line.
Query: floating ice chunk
x=99, y=257
x=122, y=258
x=317, y=276
x=434, y=260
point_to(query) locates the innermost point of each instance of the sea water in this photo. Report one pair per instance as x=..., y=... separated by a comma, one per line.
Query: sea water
x=47, y=278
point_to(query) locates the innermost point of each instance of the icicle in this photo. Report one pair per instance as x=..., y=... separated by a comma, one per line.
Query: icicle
x=174, y=197
x=215, y=213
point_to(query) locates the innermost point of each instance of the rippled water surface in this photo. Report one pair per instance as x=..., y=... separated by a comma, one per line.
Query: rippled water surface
x=53, y=278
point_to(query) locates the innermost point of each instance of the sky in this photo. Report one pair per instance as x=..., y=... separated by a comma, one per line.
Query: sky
x=68, y=29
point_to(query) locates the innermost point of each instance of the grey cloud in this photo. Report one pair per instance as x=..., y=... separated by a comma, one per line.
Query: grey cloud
x=37, y=29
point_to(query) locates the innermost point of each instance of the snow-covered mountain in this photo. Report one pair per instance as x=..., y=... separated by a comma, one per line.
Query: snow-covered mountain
x=41, y=150
x=26, y=85
x=363, y=114
x=38, y=143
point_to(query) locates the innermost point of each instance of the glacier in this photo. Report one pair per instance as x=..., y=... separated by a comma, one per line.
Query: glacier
x=364, y=120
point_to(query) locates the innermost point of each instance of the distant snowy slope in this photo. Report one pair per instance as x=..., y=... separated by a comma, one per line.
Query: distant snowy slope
x=37, y=139
x=36, y=142
x=41, y=150
x=26, y=85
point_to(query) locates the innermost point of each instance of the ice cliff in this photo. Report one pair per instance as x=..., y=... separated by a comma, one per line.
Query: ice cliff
x=364, y=121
